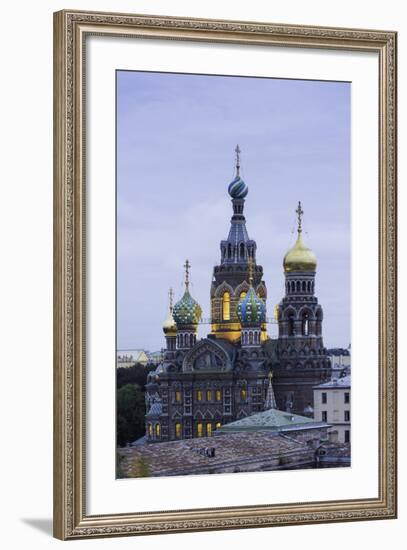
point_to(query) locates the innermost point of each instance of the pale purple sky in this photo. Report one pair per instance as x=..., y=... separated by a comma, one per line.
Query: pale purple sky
x=176, y=136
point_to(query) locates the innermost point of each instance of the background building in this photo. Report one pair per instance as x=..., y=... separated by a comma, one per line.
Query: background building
x=129, y=357
x=340, y=361
x=332, y=405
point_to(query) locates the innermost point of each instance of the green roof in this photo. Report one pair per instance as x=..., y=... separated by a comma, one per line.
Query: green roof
x=271, y=419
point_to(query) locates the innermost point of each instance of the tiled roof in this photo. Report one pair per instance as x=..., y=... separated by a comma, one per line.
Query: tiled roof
x=271, y=419
x=343, y=382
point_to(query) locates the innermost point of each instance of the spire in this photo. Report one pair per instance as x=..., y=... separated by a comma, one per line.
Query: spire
x=187, y=266
x=299, y=213
x=170, y=299
x=237, y=151
x=270, y=402
x=251, y=269
x=237, y=188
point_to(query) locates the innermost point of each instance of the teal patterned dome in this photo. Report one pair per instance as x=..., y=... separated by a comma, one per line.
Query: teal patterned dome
x=187, y=311
x=237, y=188
x=251, y=309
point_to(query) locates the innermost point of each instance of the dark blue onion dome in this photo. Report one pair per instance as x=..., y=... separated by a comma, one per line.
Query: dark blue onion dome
x=237, y=188
x=251, y=309
x=187, y=311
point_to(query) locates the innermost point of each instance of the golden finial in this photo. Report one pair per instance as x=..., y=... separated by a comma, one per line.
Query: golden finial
x=187, y=266
x=299, y=213
x=237, y=151
x=170, y=298
x=251, y=269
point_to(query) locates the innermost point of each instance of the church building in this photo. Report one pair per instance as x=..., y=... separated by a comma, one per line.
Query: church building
x=202, y=385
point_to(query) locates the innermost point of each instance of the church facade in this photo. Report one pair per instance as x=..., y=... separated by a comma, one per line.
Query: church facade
x=201, y=385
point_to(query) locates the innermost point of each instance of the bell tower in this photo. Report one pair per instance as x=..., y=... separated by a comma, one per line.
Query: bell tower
x=304, y=361
x=230, y=282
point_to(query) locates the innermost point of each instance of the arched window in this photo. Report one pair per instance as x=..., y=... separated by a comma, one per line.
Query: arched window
x=150, y=430
x=226, y=306
x=218, y=425
x=218, y=395
x=208, y=395
x=243, y=294
x=178, y=430
x=199, y=395
x=309, y=286
x=298, y=286
x=209, y=429
x=199, y=429
x=243, y=395
x=229, y=250
x=181, y=340
x=157, y=430
x=303, y=286
x=250, y=338
x=242, y=251
x=178, y=396
x=305, y=324
x=291, y=325
x=292, y=286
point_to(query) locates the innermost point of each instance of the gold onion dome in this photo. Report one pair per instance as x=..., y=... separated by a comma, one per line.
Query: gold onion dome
x=299, y=257
x=169, y=325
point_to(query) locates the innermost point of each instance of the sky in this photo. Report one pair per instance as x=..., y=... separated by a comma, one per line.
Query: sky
x=176, y=136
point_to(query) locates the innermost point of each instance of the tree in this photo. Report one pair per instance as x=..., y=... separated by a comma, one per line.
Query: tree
x=137, y=374
x=130, y=413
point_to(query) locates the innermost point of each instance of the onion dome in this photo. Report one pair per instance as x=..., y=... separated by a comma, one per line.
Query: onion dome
x=251, y=309
x=187, y=311
x=169, y=325
x=237, y=188
x=299, y=257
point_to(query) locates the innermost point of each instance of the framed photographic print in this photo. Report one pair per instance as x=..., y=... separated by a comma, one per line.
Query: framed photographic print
x=225, y=274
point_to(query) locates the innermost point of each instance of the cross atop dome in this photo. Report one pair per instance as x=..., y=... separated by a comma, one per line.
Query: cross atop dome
x=299, y=213
x=237, y=151
x=187, y=266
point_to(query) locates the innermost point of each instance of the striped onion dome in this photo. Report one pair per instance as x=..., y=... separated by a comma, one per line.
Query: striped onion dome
x=237, y=188
x=187, y=311
x=251, y=309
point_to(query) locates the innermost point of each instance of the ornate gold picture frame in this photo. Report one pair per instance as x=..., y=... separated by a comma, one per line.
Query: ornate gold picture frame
x=71, y=30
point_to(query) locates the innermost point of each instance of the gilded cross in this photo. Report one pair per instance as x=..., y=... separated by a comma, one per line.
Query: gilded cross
x=299, y=213
x=237, y=151
x=171, y=296
x=187, y=266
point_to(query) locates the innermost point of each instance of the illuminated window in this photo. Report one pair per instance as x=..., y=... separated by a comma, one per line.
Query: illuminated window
x=157, y=430
x=218, y=425
x=200, y=429
x=209, y=429
x=226, y=306
x=208, y=395
x=242, y=295
x=178, y=430
x=199, y=395
x=218, y=395
x=178, y=396
x=243, y=395
x=150, y=430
